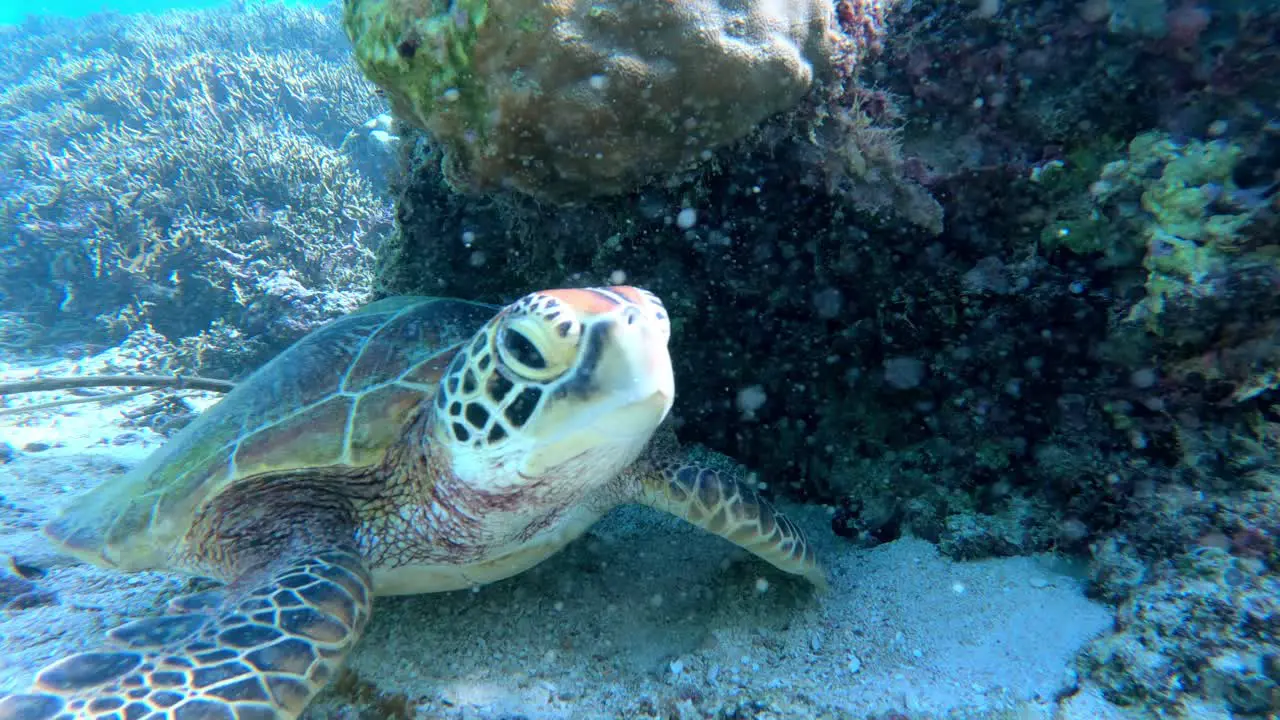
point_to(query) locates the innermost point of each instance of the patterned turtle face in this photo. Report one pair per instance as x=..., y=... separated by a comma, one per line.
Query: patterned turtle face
x=563, y=383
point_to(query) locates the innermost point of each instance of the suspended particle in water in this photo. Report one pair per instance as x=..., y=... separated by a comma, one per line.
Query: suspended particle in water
x=750, y=399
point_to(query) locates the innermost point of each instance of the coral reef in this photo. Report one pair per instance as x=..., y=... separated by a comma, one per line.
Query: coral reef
x=567, y=101
x=1184, y=232
x=1206, y=623
x=184, y=171
x=1177, y=210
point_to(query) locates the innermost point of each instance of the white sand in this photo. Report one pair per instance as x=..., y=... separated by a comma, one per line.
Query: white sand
x=644, y=616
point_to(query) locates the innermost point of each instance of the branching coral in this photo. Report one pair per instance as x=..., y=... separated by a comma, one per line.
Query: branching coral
x=168, y=164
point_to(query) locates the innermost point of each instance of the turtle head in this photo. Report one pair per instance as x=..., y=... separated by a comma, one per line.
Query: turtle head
x=561, y=383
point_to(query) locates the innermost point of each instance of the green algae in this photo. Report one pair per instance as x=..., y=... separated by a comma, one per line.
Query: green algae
x=422, y=53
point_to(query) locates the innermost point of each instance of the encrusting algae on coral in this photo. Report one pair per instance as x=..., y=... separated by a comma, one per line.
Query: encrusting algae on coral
x=1173, y=205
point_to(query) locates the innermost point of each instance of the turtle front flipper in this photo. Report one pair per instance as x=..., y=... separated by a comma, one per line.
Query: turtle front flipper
x=277, y=637
x=725, y=506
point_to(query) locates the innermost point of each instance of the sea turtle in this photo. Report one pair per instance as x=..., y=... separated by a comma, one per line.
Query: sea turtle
x=416, y=445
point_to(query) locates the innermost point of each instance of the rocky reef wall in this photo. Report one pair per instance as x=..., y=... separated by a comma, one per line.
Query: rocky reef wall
x=1007, y=282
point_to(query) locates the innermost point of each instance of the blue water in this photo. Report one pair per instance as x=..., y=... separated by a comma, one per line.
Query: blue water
x=14, y=11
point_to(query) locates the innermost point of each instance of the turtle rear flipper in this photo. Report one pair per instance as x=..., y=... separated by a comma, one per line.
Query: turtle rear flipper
x=278, y=637
x=725, y=506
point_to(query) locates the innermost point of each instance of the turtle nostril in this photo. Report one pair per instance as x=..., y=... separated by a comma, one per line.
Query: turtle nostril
x=632, y=315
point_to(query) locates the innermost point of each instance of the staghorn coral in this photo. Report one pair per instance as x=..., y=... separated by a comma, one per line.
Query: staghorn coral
x=165, y=168
x=571, y=100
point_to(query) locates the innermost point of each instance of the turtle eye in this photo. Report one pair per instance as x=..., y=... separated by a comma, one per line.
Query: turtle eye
x=521, y=354
x=521, y=349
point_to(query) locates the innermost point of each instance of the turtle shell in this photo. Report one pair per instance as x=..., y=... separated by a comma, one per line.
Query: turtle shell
x=337, y=399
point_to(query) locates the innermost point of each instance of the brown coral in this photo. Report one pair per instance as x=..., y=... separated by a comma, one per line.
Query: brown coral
x=573, y=99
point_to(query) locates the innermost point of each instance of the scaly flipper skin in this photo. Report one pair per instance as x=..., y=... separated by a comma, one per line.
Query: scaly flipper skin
x=276, y=639
x=720, y=504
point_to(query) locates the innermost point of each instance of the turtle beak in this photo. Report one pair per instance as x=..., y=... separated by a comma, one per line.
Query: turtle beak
x=619, y=394
x=640, y=371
